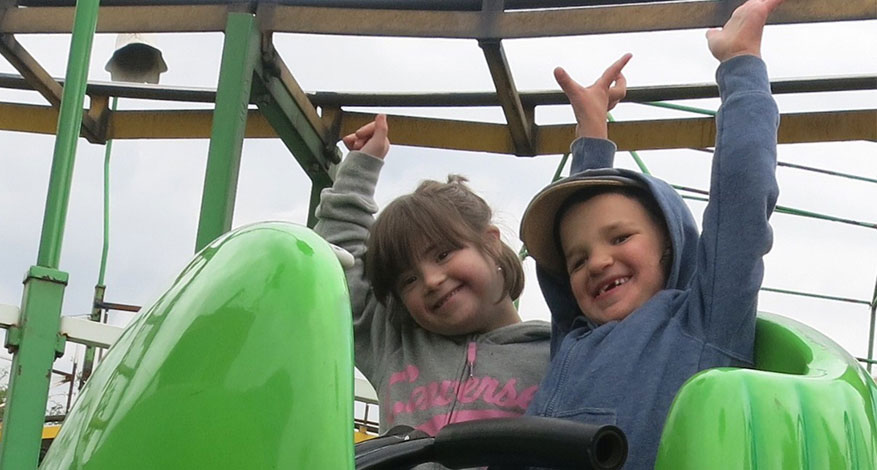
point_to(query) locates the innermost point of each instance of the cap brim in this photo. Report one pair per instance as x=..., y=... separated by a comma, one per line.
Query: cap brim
x=539, y=221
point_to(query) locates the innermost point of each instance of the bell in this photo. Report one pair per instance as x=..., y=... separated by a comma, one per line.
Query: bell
x=136, y=60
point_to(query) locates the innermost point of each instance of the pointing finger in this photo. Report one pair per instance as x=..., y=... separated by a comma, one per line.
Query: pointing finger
x=613, y=71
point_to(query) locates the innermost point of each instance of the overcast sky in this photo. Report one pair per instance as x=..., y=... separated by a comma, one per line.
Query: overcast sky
x=156, y=185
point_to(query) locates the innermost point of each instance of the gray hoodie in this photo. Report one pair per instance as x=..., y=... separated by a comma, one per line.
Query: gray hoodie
x=628, y=372
x=424, y=380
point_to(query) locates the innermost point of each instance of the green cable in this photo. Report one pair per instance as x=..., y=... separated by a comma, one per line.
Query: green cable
x=106, y=247
x=816, y=296
x=791, y=211
x=679, y=107
x=560, y=167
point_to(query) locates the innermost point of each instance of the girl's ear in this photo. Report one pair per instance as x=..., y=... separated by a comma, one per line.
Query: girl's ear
x=493, y=240
x=492, y=235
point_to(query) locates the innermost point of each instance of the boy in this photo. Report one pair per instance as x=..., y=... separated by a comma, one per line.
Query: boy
x=639, y=302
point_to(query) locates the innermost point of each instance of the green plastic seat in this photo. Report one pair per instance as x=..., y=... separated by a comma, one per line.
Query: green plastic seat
x=807, y=405
x=246, y=362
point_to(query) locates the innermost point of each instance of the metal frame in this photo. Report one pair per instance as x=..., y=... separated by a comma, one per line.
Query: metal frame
x=253, y=73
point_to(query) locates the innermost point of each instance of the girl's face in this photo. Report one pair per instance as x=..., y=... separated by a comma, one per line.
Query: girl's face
x=613, y=255
x=454, y=291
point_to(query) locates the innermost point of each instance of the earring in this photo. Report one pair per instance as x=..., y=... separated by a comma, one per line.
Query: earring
x=499, y=268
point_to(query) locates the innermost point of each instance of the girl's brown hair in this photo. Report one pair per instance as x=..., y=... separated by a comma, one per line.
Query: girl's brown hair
x=441, y=214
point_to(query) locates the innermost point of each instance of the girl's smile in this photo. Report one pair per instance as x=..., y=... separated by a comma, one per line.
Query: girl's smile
x=456, y=291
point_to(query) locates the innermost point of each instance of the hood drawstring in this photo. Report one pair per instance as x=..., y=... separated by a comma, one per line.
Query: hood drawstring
x=470, y=357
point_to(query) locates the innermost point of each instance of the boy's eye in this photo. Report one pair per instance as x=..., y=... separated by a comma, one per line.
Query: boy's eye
x=576, y=263
x=443, y=255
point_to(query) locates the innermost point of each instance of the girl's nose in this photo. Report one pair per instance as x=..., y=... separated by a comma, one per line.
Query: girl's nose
x=433, y=276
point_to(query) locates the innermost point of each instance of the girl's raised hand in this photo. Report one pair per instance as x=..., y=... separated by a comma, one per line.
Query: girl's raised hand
x=371, y=138
x=591, y=104
x=741, y=35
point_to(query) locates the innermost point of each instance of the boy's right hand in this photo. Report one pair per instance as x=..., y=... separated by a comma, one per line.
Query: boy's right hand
x=371, y=138
x=591, y=104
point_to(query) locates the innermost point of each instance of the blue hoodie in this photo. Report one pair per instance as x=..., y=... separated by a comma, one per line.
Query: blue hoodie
x=628, y=372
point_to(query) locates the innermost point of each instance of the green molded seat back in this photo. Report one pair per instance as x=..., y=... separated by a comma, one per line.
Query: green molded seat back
x=807, y=405
x=246, y=362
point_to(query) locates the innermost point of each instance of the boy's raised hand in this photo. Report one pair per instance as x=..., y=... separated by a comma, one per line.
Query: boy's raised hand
x=371, y=138
x=591, y=104
x=741, y=35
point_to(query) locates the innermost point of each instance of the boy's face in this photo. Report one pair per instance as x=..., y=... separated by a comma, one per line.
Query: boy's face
x=613, y=250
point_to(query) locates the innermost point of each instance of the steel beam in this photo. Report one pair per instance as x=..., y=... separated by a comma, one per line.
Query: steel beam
x=450, y=99
x=543, y=98
x=520, y=120
x=425, y=23
x=831, y=126
x=43, y=83
x=240, y=55
x=629, y=135
x=294, y=118
x=292, y=115
x=544, y=23
x=128, y=19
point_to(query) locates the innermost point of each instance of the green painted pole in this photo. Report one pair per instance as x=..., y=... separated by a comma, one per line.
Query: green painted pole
x=239, y=55
x=67, y=135
x=35, y=341
x=100, y=288
x=106, y=245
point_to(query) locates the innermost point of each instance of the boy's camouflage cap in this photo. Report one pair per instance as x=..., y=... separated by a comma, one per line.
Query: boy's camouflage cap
x=539, y=223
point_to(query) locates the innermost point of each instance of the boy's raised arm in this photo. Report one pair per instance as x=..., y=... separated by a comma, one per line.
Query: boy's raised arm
x=743, y=188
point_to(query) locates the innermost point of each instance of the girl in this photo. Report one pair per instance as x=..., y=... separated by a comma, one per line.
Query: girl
x=435, y=328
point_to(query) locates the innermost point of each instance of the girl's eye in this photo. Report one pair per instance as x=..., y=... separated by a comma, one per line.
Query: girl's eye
x=620, y=239
x=406, y=281
x=443, y=255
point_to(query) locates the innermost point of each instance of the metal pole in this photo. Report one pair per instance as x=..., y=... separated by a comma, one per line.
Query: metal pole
x=106, y=245
x=67, y=135
x=871, y=333
x=317, y=186
x=35, y=341
x=239, y=55
x=100, y=288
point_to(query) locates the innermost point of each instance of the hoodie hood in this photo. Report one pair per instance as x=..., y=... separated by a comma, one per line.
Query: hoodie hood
x=683, y=236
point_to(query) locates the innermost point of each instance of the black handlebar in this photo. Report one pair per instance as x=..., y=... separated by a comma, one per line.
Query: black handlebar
x=516, y=442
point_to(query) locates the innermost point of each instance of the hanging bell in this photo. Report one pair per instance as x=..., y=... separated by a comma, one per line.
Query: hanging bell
x=136, y=59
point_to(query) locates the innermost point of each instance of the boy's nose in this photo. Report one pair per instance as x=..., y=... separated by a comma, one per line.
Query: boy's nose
x=598, y=262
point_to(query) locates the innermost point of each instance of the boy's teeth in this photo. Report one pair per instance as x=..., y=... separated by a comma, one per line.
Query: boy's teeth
x=613, y=284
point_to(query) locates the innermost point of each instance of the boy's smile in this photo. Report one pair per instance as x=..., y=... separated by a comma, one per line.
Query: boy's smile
x=613, y=252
